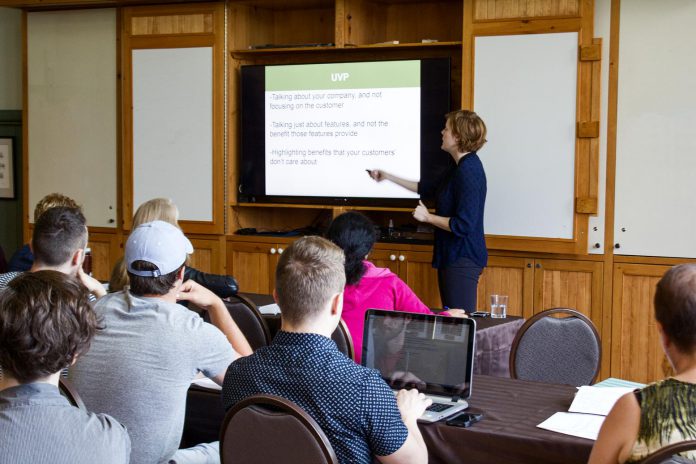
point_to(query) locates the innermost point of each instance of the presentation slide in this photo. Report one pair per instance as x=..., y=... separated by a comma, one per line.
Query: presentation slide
x=326, y=124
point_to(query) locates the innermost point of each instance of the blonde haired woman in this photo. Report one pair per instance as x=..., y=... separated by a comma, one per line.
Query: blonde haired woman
x=164, y=209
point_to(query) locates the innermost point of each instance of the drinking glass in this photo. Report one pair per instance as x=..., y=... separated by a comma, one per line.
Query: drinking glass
x=499, y=306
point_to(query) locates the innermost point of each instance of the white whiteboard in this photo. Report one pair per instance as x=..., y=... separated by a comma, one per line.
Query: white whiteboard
x=173, y=129
x=71, y=67
x=525, y=89
x=656, y=130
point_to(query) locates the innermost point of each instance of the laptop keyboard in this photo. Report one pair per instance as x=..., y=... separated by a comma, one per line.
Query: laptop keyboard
x=438, y=407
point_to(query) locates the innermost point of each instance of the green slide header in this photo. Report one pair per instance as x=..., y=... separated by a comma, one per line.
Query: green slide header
x=368, y=75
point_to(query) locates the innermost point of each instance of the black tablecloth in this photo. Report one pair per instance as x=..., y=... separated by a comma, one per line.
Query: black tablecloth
x=507, y=433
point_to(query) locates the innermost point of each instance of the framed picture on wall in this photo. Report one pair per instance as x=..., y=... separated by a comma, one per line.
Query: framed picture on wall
x=7, y=183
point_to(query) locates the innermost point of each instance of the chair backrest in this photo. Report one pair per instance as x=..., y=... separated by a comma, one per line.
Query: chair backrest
x=247, y=316
x=665, y=455
x=266, y=428
x=67, y=390
x=343, y=340
x=552, y=349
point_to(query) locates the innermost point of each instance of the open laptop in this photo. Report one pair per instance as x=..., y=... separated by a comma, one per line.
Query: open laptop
x=434, y=354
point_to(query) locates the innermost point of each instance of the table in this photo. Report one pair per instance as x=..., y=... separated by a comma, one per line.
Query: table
x=493, y=338
x=507, y=433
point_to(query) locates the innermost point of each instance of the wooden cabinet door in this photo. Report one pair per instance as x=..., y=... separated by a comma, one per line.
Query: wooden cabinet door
x=569, y=284
x=416, y=269
x=636, y=352
x=385, y=258
x=106, y=250
x=208, y=255
x=253, y=265
x=513, y=277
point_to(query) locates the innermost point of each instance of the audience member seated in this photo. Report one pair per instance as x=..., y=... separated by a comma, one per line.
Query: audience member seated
x=141, y=364
x=163, y=209
x=369, y=286
x=360, y=415
x=58, y=242
x=46, y=322
x=23, y=259
x=664, y=412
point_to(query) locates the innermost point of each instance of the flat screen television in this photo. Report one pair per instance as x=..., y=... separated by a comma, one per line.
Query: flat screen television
x=309, y=132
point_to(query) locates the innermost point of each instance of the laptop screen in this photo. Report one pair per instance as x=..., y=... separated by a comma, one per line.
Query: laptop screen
x=434, y=354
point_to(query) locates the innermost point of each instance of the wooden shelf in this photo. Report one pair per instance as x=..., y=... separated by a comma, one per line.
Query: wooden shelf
x=247, y=53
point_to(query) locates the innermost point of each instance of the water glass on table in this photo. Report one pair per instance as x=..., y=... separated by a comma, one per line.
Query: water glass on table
x=499, y=306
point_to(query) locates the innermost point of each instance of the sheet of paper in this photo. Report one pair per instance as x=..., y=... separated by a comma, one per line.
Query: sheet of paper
x=270, y=309
x=577, y=425
x=206, y=383
x=597, y=400
x=614, y=382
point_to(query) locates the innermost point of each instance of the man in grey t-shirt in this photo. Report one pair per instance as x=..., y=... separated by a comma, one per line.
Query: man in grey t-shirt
x=47, y=321
x=142, y=363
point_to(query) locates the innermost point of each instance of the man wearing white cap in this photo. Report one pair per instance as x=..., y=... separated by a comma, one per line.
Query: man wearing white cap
x=141, y=364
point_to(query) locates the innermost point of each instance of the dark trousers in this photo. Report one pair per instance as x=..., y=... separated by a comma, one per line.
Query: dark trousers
x=458, y=283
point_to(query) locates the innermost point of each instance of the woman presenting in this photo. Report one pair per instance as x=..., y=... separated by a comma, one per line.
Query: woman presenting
x=460, y=248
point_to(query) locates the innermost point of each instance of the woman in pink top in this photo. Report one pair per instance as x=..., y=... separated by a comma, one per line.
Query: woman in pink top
x=367, y=286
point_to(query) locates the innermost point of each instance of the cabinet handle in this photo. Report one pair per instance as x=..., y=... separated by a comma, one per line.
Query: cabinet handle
x=273, y=251
x=280, y=251
x=529, y=265
x=392, y=257
x=402, y=258
x=538, y=265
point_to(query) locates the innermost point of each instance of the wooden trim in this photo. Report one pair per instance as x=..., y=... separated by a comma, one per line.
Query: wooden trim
x=609, y=206
x=588, y=129
x=532, y=26
x=620, y=259
x=25, y=130
x=587, y=205
x=591, y=52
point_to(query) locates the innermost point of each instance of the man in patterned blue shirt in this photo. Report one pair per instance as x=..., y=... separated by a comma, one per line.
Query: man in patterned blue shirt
x=355, y=408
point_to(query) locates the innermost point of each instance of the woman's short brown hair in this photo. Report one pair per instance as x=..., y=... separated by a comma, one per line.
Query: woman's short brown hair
x=675, y=306
x=468, y=128
x=46, y=320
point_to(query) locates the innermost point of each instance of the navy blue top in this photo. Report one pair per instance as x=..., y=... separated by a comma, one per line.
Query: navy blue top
x=352, y=404
x=461, y=197
x=21, y=260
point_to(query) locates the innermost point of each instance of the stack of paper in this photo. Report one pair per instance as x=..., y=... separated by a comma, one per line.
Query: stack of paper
x=270, y=309
x=587, y=412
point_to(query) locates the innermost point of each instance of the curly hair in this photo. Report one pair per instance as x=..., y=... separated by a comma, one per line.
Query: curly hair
x=46, y=321
x=355, y=234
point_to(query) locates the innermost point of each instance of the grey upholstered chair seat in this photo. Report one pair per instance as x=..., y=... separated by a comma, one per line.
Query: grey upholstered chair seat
x=557, y=350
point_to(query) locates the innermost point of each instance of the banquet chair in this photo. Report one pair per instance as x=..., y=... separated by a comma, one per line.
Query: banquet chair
x=250, y=321
x=68, y=391
x=553, y=349
x=343, y=340
x=266, y=428
x=666, y=454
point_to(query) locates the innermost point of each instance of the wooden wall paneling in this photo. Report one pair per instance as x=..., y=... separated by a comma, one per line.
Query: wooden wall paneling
x=489, y=10
x=636, y=350
x=417, y=271
x=253, y=265
x=209, y=254
x=364, y=22
x=413, y=22
x=508, y=276
x=569, y=284
x=106, y=250
x=196, y=23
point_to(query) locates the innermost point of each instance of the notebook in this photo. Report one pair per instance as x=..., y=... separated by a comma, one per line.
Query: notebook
x=434, y=354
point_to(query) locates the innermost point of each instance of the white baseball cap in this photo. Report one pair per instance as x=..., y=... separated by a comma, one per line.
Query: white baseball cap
x=158, y=243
